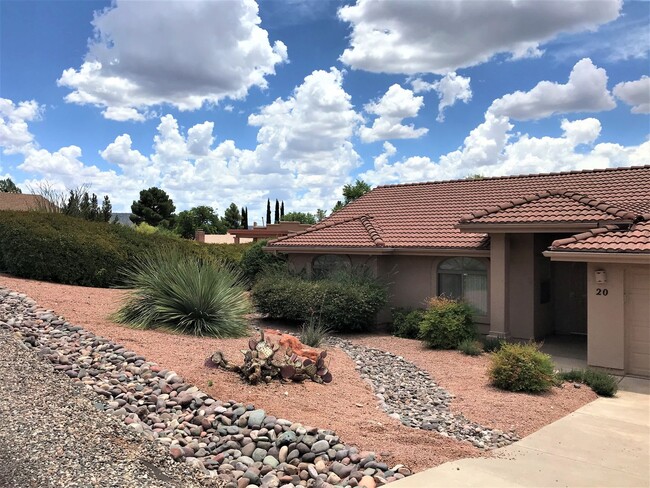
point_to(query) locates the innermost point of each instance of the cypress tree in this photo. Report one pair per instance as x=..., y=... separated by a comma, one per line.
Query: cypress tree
x=268, y=211
x=277, y=212
x=243, y=218
x=282, y=210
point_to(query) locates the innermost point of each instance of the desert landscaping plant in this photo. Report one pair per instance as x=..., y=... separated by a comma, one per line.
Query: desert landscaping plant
x=471, y=347
x=173, y=290
x=492, y=344
x=255, y=261
x=313, y=332
x=522, y=367
x=601, y=383
x=406, y=323
x=446, y=323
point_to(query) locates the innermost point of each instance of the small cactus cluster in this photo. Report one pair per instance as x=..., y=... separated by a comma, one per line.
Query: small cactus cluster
x=264, y=361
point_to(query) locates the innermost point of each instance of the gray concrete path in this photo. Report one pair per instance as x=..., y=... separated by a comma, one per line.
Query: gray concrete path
x=606, y=443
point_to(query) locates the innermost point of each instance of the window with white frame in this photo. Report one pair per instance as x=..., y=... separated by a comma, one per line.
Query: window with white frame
x=465, y=279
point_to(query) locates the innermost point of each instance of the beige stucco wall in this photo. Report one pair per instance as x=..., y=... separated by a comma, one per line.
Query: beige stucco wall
x=411, y=279
x=224, y=239
x=605, y=317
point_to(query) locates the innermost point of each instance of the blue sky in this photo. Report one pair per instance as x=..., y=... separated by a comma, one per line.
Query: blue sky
x=233, y=100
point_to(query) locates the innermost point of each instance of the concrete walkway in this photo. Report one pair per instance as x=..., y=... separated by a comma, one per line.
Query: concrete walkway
x=606, y=443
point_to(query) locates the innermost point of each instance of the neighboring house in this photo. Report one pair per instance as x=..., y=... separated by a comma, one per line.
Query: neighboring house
x=560, y=253
x=271, y=231
x=23, y=202
x=123, y=218
x=219, y=238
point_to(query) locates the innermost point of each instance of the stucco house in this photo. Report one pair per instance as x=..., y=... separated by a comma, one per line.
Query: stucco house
x=535, y=255
x=23, y=202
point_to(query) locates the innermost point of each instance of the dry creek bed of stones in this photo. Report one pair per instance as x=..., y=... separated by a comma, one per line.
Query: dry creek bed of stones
x=410, y=395
x=241, y=445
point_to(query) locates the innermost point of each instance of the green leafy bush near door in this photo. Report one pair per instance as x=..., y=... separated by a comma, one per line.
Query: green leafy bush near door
x=522, y=367
x=446, y=323
x=406, y=323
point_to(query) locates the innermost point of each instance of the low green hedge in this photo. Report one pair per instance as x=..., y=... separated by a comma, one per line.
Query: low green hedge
x=446, y=323
x=406, y=322
x=63, y=249
x=345, y=302
x=601, y=383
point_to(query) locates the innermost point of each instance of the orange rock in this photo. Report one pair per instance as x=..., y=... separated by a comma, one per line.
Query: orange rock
x=287, y=341
x=367, y=482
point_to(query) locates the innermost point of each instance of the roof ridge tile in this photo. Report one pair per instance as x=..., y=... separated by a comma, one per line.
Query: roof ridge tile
x=575, y=196
x=372, y=232
x=524, y=175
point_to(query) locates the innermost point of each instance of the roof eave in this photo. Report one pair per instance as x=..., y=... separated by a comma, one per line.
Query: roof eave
x=599, y=256
x=407, y=251
x=536, y=227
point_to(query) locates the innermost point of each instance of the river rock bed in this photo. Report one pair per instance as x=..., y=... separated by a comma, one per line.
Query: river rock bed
x=227, y=439
x=410, y=395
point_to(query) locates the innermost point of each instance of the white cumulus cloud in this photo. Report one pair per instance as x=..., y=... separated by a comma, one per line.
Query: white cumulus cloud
x=14, y=131
x=586, y=91
x=185, y=54
x=635, y=93
x=493, y=149
x=450, y=88
x=422, y=36
x=303, y=155
x=391, y=109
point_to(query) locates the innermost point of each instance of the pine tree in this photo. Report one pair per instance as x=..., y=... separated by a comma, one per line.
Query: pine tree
x=107, y=209
x=268, y=211
x=84, y=206
x=72, y=207
x=282, y=210
x=277, y=212
x=93, y=213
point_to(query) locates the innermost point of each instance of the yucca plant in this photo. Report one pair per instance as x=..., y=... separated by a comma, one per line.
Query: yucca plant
x=173, y=290
x=313, y=332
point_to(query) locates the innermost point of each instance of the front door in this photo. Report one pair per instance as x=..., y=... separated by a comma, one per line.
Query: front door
x=569, y=291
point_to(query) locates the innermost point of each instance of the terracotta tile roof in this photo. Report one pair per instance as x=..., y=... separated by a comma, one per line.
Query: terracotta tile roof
x=22, y=202
x=549, y=206
x=609, y=238
x=425, y=215
x=353, y=232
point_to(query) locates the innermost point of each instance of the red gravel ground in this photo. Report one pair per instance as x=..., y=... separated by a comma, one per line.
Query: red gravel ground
x=346, y=405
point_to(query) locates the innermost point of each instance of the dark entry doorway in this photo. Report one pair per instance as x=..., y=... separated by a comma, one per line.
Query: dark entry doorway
x=569, y=291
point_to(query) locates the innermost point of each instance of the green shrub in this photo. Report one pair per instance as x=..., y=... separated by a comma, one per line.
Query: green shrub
x=492, y=344
x=522, y=367
x=313, y=332
x=64, y=249
x=345, y=302
x=471, y=347
x=601, y=383
x=406, y=323
x=446, y=323
x=194, y=295
x=254, y=260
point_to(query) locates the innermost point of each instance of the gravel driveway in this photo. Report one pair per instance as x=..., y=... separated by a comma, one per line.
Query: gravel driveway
x=53, y=435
